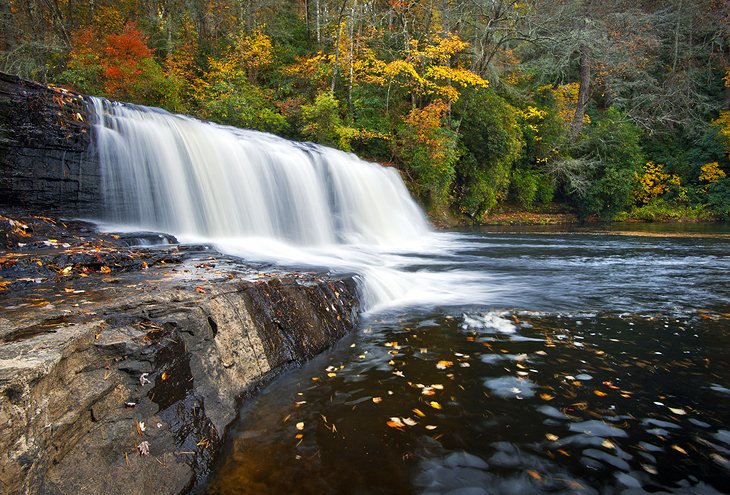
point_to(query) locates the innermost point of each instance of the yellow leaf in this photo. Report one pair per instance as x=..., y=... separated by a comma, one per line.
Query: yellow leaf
x=418, y=413
x=377, y=400
x=435, y=404
x=547, y=396
x=599, y=393
x=679, y=449
x=551, y=437
x=105, y=269
x=608, y=444
x=67, y=270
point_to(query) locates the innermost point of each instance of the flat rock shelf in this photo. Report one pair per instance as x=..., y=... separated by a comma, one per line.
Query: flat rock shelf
x=121, y=367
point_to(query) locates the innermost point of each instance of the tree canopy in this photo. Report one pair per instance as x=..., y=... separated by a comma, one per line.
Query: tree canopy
x=608, y=107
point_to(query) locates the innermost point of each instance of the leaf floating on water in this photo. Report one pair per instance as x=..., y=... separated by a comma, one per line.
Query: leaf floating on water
x=545, y=396
x=435, y=404
x=599, y=393
x=395, y=423
x=377, y=400
x=678, y=411
x=442, y=365
x=300, y=425
x=649, y=469
x=534, y=475
x=437, y=386
x=608, y=444
x=105, y=269
x=67, y=270
x=409, y=422
x=419, y=413
x=298, y=436
x=551, y=437
x=331, y=375
x=431, y=427
x=165, y=375
x=679, y=449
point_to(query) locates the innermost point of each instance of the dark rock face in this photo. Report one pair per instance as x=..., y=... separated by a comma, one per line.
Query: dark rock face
x=123, y=385
x=46, y=158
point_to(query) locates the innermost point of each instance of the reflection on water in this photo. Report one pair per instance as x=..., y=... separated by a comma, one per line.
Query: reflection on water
x=609, y=373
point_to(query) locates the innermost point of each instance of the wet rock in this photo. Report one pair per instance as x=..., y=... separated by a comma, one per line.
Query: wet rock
x=47, y=161
x=93, y=364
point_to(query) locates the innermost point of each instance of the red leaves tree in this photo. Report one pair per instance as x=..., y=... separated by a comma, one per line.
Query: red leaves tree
x=125, y=56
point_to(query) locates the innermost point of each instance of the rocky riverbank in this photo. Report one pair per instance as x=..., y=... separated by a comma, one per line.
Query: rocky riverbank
x=121, y=367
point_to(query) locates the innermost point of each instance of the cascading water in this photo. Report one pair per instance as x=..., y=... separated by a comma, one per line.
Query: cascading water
x=260, y=196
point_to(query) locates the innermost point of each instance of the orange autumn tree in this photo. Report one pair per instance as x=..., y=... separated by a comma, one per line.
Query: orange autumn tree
x=119, y=66
x=430, y=151
x=126, y=57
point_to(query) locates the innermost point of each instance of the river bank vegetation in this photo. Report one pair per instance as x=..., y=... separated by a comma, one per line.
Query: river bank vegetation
x=611, y=110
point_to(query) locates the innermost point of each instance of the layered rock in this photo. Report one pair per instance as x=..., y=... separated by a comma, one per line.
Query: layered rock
x=47, y=160
x=119, y=381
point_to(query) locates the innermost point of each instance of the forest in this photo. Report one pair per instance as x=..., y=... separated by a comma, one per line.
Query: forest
x=611, y=109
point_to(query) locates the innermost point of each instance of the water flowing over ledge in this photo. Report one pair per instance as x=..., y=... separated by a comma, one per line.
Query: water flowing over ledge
x=262, y=197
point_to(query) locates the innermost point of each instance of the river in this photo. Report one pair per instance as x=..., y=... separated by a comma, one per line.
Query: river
x=596, y=364
x=486, y=361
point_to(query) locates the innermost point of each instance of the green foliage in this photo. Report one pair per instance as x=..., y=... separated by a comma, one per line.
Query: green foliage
x=530, y=186
x=494, y=142
x=614, y=157
x=321, y=120
x=430, y=152
x=660, y=210
x=718, y=198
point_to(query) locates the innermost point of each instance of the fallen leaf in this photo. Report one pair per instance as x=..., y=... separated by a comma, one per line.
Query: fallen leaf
x=599, y=393
x=608, y=444
x=431, y=427
x=105, y=269
x=419, y=413
x=395, y=423
x=144, y=448
x=544, y=396
x=200, y=290
x=551, y=437
x=67, y=270
x=435, y=404
x=676, y=410
x=679, y=449
x=534, y=474
x=165, y=375
x=377, y=400
x=442, y=365
x=300, y=425
x=409, y=422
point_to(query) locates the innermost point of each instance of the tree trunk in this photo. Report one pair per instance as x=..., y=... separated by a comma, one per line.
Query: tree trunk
x=335, y=69
x=583, y=91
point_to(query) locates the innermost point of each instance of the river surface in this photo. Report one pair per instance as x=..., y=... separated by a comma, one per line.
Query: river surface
x=572, y=362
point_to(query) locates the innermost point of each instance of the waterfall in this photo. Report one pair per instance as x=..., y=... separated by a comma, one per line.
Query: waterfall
x=265, y=198
x=179, y=175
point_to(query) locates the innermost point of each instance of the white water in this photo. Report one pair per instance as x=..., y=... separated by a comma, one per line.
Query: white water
x=262, y=197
